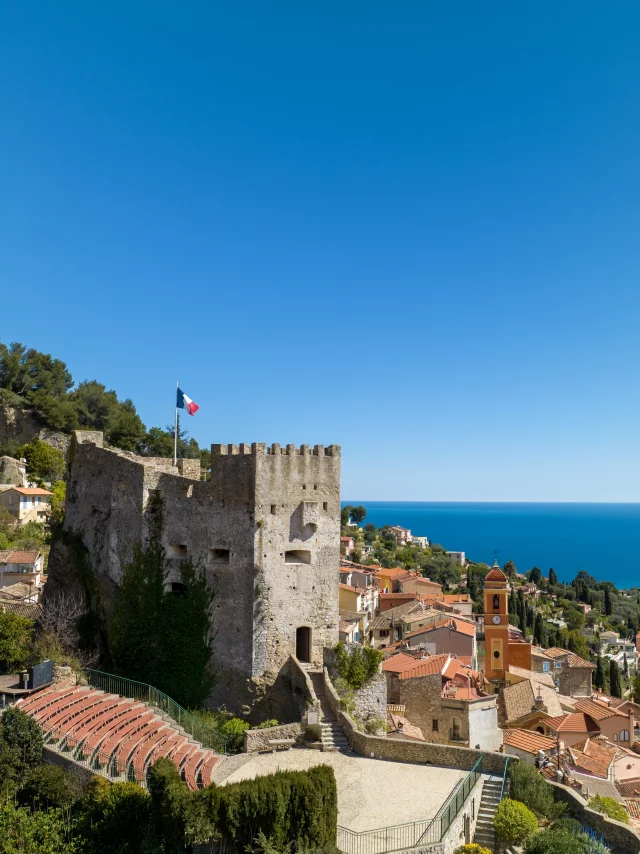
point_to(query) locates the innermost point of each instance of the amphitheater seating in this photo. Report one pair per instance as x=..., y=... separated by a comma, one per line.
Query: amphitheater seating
x=122, y=737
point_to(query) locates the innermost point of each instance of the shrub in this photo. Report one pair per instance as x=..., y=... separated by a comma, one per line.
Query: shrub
x=529, y=787
x=49, y=786
x=610, y=807
x=313, y=732
x=116, y=817
x=472, y=848
x=268, y=723
x=514, y=822
x=375, y=725
x=359, y=665
x=22, y=735
x=555, y=840
x=41, y=832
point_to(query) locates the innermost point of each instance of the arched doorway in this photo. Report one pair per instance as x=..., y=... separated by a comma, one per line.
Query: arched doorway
x=303, y=643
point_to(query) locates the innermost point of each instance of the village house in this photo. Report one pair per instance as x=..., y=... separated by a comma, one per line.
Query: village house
x=392, y=625
x=540, y=661
x=573, y=675
x=24, y=567
x=526, y=745
x=423, y=542
x=26, y=504
x=459, y=557
x=456, y=637
x=399, y=727
x=386, y=601
x=347, y=544
x=349, y=627
x=358, y=600
x=616, y=726
x=411, y=582
x=444, y=699
x=401, y=535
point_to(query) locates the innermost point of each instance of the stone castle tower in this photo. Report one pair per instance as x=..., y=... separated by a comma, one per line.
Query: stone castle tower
x=266, y=528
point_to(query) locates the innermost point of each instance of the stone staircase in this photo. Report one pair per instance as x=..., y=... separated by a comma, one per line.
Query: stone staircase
x=333, y=738
x=485, y=833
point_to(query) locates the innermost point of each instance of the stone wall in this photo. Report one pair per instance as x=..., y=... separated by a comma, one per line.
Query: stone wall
x=258, y=739
x=371, y=699
x=265, y=528
x=302, y=688
x=621, y=838
x=399, y=750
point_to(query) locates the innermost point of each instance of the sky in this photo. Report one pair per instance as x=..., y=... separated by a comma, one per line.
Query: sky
x=410, y=229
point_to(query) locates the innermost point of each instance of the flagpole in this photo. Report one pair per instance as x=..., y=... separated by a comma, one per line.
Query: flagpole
x=175, y=435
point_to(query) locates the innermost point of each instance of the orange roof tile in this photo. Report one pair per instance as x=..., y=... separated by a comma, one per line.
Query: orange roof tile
x=572, y=723
x=598, y=711
x=495, y=574
x=629, y=788
x=530, y=742
x=22, y=557
x=348, y=587
x=409, y=666
x=30, y=490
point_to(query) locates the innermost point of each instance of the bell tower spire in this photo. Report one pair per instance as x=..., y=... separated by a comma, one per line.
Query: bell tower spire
x=496, y=623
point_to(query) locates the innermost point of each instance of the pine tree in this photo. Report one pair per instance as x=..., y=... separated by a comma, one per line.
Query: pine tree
x=608, y=605
x=615, y=683
x=598, y=679
x=553, y=578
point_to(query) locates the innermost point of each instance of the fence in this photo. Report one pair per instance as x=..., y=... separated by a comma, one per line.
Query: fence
x=111, y=684
x=412, y=834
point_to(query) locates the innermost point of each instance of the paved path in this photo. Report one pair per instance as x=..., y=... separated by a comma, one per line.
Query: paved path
x=371, y=792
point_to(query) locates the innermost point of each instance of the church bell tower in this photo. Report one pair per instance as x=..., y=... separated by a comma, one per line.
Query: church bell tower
x=496, y=623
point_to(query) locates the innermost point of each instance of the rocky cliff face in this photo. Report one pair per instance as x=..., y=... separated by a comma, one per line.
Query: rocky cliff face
x=20, y=424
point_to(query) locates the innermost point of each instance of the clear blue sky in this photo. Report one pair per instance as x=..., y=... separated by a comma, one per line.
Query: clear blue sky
x=407, y=228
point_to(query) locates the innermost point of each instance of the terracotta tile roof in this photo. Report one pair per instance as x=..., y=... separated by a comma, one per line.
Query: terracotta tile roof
x=576, y=661
x=348, y=587
x=495, y=574
x=555, y=652
x=530, y=742
x=629, y=788
x=399, y=724
x=409, y=666
x=21, y=557
x=519, y=700
x=389, y=597
x=598, y=711
x=592, y=758
x=31, y=490
x=538, y=652
x=387, y=618
x=573, y=723
x=456, y=598
x=391, y=572
x=633, y=808
x=446, y=622
x=533, y=675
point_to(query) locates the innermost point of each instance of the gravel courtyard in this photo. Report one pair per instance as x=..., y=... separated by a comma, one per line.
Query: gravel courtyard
x=371, y=792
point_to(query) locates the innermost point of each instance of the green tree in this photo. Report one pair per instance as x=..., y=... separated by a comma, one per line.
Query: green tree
x=58, y=499
x=514, y=822
x=510, y=569
x=529, y=787
x=573, y=618
x=610, y=807
x=358, y=665
x=538, y=630
x=49, y=787
x=39, y=832
x=158, y=636
x=535, y=575
x=615, y=683
x=608, y=604
x=44, y=463
x=345, y=515
x=16, y=633
x=358, y=514
x=553, y=578
x=599, y=676
x=22, y=735
x=116, y=817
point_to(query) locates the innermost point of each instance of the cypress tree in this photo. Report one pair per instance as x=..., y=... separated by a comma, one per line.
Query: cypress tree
x=608, y=605
x=553, y=578
x=538, y=631
x=598, y=679
x=615, y=683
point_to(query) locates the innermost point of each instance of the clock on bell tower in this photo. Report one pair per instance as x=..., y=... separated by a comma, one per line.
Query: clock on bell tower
x=496, y=623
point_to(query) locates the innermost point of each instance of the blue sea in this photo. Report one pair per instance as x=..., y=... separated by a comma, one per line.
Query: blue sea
x=603, y=539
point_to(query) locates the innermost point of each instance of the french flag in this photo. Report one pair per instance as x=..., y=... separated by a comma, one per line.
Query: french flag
x=184, y=402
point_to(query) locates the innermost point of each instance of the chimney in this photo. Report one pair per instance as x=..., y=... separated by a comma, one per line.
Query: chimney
x=539, y=705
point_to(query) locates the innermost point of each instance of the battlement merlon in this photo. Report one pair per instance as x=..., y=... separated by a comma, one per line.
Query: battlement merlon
x=261, y=448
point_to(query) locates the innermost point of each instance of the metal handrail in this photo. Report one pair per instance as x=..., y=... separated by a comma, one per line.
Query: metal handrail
x=411, y=834
x=124, y=687
x=502, y=788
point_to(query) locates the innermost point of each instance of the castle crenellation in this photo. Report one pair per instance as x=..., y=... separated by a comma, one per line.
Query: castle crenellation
x=275, y=448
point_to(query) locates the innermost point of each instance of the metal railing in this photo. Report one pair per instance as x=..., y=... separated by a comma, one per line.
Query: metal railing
x=412, y=834
x=502, y=793
x=124, y=687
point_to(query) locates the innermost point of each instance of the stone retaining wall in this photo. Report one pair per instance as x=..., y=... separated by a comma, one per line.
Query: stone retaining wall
x=258, y=739
x=399, y=750
x=621, y=838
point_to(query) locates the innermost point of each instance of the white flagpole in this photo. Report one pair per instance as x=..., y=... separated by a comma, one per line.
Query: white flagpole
x=175, y=435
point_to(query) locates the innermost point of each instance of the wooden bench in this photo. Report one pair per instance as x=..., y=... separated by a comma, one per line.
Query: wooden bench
x=280, y=743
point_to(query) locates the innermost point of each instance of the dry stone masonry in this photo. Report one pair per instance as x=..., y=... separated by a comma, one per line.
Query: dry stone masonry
x=266, y=529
